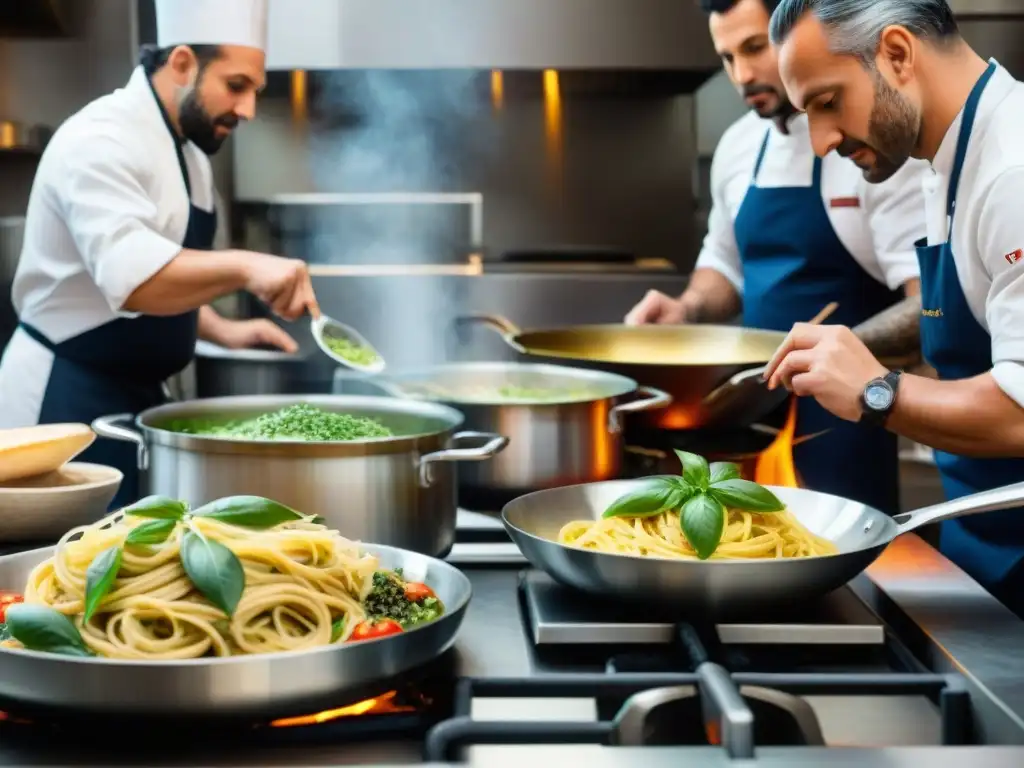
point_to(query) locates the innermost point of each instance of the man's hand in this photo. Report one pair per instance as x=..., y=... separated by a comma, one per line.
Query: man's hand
x=282, y=284
x=828, y=363
x=245, y=334
x=658, y=309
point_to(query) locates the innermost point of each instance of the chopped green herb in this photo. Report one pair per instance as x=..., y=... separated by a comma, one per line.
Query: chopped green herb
x=348, y=350
x=295, y=422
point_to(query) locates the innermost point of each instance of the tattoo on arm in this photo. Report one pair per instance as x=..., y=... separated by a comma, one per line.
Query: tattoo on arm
x=895, y=333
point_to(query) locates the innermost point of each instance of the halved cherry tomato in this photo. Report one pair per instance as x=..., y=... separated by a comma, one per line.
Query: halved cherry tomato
x=415, y=591
x=371, y=630
x=8, y=598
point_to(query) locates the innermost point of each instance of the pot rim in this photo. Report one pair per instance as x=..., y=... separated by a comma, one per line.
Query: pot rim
x=449, y=420
x=615, y=384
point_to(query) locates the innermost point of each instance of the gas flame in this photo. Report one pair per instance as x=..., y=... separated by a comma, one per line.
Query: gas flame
x=775, y=465
x=381, y=705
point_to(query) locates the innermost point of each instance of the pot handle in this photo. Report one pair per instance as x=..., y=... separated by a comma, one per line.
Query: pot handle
x=508, y=330
x=650, y=400
x=110, y=427
x=495, y=444
x=1004, y=497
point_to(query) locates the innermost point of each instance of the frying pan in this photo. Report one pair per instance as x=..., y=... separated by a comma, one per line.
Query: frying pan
x=723, y=587
x=264, y=685
x=686, y=361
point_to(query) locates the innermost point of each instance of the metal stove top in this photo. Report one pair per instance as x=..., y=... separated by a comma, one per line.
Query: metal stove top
x=558, y=616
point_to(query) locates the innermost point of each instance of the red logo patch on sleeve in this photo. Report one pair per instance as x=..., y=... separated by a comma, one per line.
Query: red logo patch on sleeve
x=1013, y=258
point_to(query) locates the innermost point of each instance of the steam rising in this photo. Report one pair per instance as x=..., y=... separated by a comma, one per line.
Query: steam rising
x=382, y=131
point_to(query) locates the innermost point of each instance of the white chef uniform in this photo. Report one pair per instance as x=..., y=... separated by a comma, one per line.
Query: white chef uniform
x=117, y=196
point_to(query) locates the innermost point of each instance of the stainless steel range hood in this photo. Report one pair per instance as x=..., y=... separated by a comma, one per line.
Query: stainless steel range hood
x=35, y=18
x=490, y=34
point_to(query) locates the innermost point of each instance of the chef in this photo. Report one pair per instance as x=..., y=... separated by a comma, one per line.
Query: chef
x=116, y=273
x=898, y=77
x=788, y=234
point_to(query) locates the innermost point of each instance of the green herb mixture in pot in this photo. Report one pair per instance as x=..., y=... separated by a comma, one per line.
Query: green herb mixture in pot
x=295, y=422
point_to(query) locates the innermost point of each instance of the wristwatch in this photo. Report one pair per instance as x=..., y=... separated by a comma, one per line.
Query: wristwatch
x=879, y=397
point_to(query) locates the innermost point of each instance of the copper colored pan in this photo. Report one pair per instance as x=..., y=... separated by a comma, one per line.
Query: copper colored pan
x=687, y=361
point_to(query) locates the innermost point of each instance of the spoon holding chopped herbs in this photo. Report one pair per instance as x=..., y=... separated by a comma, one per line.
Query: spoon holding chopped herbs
x=345, y=345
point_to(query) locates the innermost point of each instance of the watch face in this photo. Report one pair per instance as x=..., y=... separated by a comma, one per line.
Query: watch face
x=878, y=396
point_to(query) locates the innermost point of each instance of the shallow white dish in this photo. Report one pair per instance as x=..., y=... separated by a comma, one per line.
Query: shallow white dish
x=44, y=507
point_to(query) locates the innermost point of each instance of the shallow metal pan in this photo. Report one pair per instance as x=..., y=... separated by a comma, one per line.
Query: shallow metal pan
x=723, y=587
x=268, y=685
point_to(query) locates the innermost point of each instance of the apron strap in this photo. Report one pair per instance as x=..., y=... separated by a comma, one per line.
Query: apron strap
x=178, y=140
x=760, y=156
x=964, y=138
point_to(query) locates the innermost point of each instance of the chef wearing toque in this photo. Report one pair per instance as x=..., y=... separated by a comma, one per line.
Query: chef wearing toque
x=117, y=272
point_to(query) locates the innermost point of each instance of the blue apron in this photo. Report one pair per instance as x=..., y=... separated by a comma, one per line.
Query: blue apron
x=793, y=265
x=990, y=547
x=120, y=367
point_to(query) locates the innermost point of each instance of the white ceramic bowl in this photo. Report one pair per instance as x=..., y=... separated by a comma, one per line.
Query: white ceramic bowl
x=44, y=507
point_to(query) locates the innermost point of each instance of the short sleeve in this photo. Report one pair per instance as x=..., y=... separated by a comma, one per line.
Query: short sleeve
x=720, y=251
x=1000, y=235
x=896, y=217
x=113, y=219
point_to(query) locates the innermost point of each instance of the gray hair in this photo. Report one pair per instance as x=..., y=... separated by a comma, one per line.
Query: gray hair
x=855, y=26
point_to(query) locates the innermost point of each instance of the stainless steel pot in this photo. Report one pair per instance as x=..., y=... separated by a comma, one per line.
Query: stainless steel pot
x=399, y=491
x=551, y=443
x=221, y=372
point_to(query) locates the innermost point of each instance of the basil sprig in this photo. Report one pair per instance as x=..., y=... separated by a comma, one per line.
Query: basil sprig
x=213, y=568
x=41, y=628
x=701, y=495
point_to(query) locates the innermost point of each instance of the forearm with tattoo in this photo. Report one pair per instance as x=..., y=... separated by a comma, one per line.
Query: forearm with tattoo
x=894, y=334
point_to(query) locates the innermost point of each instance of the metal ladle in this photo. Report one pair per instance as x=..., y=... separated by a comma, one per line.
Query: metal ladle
x=325, y=328
x=745, y=392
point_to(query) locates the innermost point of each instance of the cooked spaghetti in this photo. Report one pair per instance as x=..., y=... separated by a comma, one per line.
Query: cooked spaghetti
x=747, y=535
x=304, y=586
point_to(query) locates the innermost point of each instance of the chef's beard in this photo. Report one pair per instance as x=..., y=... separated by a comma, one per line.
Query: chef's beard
x=893, y=130
x=199, y=127
x=783, y=107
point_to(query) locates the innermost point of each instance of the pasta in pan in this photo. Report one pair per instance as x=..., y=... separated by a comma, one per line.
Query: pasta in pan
x=244, y=576
x=746, y=536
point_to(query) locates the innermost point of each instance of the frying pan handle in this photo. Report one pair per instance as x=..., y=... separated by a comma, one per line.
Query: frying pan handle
x=651, y=399
x=111, y=428
x=1004, y=497
x=502, y=325
x=495, y=444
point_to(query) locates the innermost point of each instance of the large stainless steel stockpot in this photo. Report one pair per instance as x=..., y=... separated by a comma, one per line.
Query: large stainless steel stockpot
x=398, y=491
x=574, y=438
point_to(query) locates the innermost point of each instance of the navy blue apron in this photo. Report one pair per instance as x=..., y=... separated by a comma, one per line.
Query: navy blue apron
x=793, y=265
x=120, y=367
x=990, y=547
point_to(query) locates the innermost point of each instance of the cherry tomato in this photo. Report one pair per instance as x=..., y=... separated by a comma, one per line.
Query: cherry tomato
x=416, y=592
x=371, y=630
x=8, y=598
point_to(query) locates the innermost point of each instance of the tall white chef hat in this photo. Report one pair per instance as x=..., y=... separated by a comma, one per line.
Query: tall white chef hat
x=212, y=22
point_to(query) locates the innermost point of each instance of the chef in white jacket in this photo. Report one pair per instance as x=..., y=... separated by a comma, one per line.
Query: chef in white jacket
x=116, y=273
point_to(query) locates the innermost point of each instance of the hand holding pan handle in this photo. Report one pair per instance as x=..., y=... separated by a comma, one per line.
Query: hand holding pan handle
x=1004, y=497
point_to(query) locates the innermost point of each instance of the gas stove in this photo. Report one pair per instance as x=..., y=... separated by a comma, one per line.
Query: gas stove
x=912, y=664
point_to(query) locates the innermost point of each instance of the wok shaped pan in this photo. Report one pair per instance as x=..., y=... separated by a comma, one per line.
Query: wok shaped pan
x=723, y=587
x=264, y=685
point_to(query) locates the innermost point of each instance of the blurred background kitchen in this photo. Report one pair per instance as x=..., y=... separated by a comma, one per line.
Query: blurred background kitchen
x=543, y=161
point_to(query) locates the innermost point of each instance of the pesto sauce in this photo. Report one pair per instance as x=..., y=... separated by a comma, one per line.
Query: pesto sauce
x=295, y=422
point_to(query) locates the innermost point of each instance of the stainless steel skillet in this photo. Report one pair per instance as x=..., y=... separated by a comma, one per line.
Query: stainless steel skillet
x=723, y=587
x=270, y=685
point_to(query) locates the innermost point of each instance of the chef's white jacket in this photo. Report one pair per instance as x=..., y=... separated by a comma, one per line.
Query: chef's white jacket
x=877, y=223
x=107, y=211
x=988, y=228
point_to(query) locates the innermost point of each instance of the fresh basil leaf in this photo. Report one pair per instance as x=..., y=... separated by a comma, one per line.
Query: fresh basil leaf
x=150, y=532
x=159, y=507
x=214, y=569
x=318, y=520
x=652, y=498
x=247, y=511
x=746, y=495
x=723, y=470
x=703, y=522
x=695, y=469
x=337, y=628
x=99, y=578
x=41, y=628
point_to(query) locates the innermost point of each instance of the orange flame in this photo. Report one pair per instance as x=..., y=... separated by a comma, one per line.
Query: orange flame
x=382, y=705
x=775, y=465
